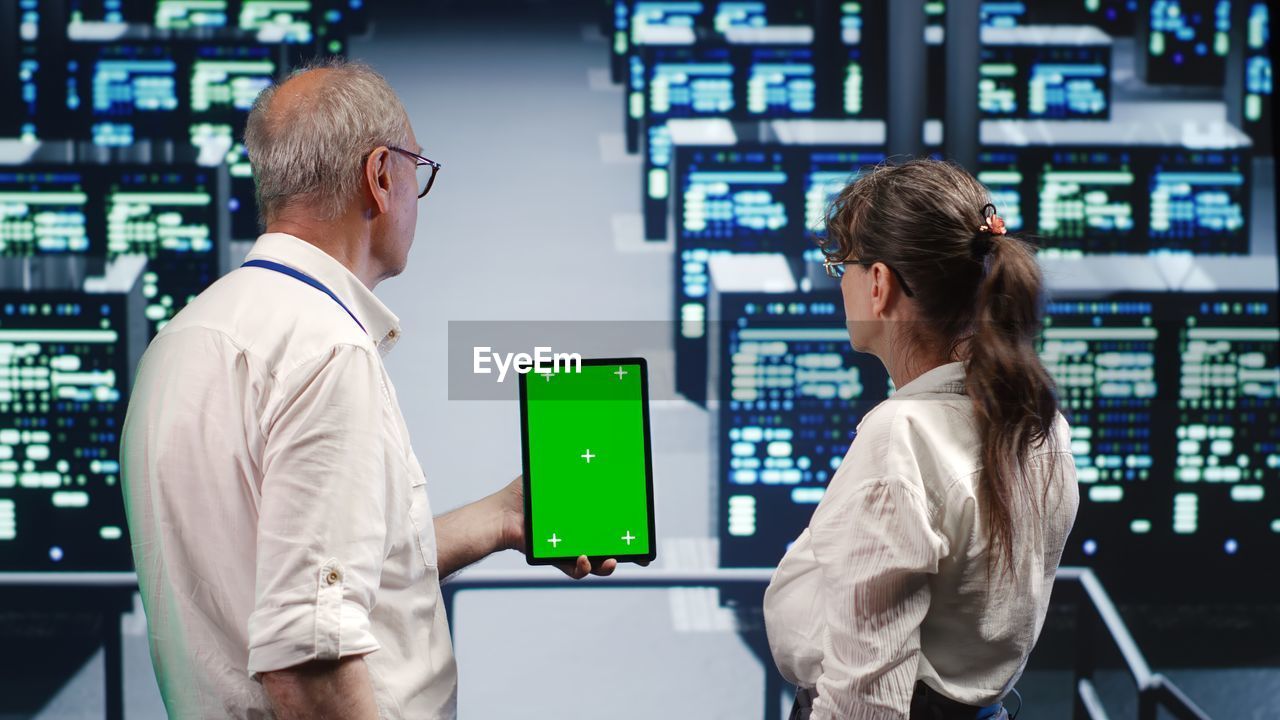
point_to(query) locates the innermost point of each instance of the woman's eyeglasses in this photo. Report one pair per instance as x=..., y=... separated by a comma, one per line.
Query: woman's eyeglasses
x=835, y=270
x=426, y=170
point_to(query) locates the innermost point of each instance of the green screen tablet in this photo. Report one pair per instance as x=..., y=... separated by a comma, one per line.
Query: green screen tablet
x=588, y=468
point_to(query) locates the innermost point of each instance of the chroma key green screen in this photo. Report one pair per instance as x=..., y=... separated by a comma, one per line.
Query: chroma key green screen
x=587, y=467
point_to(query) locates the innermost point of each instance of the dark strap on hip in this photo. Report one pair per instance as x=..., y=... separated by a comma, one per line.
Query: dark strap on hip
x=929, y=704
x=926, y=704
x=305, y=278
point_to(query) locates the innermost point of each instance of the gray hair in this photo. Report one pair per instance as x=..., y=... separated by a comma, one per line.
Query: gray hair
x=312, y=152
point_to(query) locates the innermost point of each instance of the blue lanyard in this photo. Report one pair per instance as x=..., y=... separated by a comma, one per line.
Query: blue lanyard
x=990, y=710
x=286, y=270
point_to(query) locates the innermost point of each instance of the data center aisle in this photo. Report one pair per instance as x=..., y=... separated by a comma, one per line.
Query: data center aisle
x=536, y=191
x=520, y=226
x=529, y=221
x=517, y=107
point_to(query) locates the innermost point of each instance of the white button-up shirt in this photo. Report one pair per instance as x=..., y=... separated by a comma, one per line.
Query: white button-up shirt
x=888, y=585
x=277, y=511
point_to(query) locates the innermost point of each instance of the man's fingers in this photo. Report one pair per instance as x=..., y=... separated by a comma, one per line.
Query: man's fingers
x=582, y=568
x=575, y=570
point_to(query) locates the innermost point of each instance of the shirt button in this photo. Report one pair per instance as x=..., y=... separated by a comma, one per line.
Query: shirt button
x=332, y=577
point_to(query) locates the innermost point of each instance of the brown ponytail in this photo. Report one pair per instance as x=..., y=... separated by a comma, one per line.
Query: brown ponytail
x=980, y=295
x=1011, y=390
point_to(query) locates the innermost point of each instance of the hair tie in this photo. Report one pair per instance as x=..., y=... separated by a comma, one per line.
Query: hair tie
x=994, y=224
x=991, y=229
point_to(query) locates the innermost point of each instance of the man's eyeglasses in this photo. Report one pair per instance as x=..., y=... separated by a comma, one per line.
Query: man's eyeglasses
x=835, y=269
x=426, y=170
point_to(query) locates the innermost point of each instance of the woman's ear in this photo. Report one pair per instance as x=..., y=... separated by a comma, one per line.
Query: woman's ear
x=880, y=288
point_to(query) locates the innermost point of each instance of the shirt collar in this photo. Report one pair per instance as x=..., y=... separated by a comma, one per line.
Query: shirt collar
x=948, y=378
x=383, y=326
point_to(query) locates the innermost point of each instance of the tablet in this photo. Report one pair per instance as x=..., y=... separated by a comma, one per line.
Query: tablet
x=588, y=466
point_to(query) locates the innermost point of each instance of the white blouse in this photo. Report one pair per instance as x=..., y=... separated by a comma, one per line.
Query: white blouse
x=888, y=585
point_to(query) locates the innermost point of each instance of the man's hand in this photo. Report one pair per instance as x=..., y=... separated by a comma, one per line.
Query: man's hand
x=495, y=523
x=511, y=503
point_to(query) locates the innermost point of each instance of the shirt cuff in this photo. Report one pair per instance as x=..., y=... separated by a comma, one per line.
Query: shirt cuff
x=328, y=628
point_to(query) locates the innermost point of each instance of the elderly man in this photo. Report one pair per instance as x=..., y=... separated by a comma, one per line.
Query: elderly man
x=287, y=555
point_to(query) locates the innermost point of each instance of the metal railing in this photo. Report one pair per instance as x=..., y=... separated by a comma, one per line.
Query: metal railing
x=1096, y=616
x=1094, y=611
x=630, y=578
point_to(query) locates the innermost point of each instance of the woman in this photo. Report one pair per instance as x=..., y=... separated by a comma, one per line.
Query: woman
x=922, y=581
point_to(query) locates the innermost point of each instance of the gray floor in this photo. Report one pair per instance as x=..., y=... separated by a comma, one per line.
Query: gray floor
x=534, y=217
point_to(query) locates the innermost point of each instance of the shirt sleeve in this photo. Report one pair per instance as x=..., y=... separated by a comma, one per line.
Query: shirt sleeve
x=322, y=522
x=876, y=550
x=793, y=615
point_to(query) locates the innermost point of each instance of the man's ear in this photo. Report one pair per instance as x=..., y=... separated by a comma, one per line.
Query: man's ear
x=377, y=177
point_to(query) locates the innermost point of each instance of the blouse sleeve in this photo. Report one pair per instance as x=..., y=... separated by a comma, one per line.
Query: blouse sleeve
x=793, y=615
x=876, y=549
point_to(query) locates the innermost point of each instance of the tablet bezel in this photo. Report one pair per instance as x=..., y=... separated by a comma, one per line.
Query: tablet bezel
x=648, y=470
